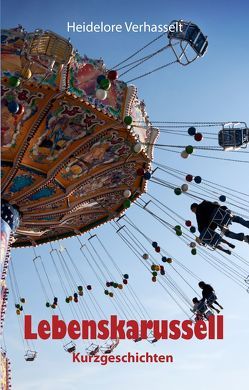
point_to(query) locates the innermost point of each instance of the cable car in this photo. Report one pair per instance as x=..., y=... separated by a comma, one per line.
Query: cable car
x=233, y=136
x=188, y=35
x=69, y=347
x=30, y=356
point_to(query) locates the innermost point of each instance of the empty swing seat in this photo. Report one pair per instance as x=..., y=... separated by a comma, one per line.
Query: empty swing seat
x=233, y=138
x=48, y=49
x=93, y=349
x=191, y=34
x=108, y=347
x=151, y=338
x=70, y=347
x=30, y=356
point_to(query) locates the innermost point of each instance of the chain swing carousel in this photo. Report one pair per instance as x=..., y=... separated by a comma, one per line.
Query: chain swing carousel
x=69, y=154
x=77, y=149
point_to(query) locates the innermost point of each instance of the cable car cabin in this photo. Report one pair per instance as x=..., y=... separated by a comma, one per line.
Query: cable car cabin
x=233, y=136
x=188, y=35
x=70, y=347
x=222, y=217
x=30, y=356
x=93, y=350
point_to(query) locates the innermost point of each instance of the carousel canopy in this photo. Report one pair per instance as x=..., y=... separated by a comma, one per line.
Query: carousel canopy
x=71, y=157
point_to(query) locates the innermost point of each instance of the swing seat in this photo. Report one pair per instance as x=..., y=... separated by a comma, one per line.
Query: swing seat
x=48, y=49
x=189, y=34
x=70, y=347
x=108, y=351
x=232, y=137
x=222, y=217
x=108, y=347
x=201, y=308
x=30, y=356
x=202, y=313
x=151, y=338
x=92, y=350
x=210, y=237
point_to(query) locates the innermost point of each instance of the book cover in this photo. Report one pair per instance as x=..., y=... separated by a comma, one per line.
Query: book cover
x=124, y=195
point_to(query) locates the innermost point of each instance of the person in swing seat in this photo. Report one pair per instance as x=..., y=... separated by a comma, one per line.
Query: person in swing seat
x=205, y=212
x=209, y=296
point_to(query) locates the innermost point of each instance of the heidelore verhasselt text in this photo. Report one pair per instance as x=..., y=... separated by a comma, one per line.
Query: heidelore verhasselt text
x=124, y=27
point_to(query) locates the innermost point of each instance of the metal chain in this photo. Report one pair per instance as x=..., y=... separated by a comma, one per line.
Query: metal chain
x=144, y=59
x=138, y=51
x=152, y=71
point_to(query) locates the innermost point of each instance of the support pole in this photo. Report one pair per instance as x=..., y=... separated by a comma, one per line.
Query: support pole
x=10, y=218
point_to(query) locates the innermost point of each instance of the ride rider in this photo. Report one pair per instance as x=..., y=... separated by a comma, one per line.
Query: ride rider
x=204, y=215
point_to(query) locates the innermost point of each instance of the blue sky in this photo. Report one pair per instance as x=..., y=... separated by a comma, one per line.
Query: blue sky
x=214, y=88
